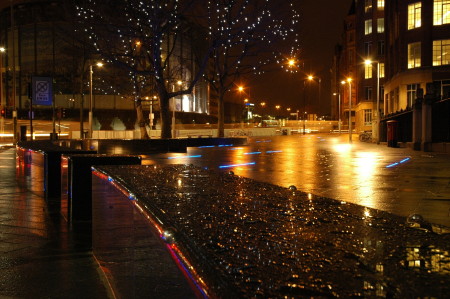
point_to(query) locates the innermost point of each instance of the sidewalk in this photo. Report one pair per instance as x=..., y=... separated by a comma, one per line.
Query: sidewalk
x=40, y=256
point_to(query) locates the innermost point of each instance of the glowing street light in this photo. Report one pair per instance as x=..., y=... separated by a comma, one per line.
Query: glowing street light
x=309, y=78
x=291, y=62
x=2, y=124
x=349, y=81
x=2, y=50
x=99, y=64
x=339, y=110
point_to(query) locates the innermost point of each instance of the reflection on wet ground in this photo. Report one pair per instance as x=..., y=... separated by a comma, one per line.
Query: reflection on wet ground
x=400, y=181
x=251, y=239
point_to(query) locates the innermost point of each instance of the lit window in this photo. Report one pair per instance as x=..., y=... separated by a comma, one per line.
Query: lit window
x=367, y=117
x=368, y=26
x=441, y=52
x=441, y=12
x=380, y=4
x=368, y=5
x=414, y=15
x=368, y=71
x=381, y=70
x=414, y=55
x=380, y=25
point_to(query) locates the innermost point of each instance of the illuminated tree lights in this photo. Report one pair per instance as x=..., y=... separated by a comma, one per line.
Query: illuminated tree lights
x=151, y=40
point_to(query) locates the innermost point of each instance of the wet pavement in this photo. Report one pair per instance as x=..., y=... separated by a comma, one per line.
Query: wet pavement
x=41, y=257
x=396, y=180
x=384, y=248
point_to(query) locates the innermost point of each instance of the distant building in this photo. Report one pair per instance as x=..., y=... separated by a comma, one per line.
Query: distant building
x=344, y=68
x=364, y=39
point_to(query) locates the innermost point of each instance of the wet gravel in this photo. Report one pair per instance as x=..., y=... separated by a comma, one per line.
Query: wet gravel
x=251, y=239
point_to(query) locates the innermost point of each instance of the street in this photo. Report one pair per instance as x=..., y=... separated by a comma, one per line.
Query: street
x=397, y=180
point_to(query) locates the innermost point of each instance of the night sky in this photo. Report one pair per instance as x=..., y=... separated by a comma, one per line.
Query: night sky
x=321, y=28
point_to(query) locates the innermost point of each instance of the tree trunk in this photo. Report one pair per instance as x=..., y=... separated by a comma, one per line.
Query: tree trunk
x=221, y=116
x=141, y=120
x=166, y=121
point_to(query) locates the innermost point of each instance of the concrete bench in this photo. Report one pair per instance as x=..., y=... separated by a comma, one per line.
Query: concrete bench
x=45, y=154
x=79, y=177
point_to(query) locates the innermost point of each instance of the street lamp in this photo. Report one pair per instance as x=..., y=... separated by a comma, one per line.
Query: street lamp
x=2, y=50
x=339, y=110
x=309, y=78
x=349, y=81
x=2, y=104
x=376, y=128
x=99, y=64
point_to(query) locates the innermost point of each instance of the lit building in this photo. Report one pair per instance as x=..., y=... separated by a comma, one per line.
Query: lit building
x=370, y=63
x=408, y=43
x=344, y=68
x=364, y=39
x=418, y=63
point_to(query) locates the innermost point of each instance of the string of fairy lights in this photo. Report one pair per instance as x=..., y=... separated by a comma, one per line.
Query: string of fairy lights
x=247, y=25
x=136, y=39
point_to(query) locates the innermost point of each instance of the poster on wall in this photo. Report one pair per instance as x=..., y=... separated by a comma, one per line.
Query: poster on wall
x=41, y=88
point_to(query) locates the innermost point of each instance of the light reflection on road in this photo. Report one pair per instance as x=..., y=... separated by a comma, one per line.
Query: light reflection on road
x=400, y=181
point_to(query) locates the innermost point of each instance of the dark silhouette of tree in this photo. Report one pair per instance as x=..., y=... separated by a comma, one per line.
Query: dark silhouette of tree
x=146, y=38
x=228, y=38
x=251, y=36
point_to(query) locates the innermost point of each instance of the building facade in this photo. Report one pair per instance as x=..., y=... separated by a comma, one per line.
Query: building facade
x=362, y=60
x=370, y=64
x=408, y=77
x=344, y=87
x=417, y=87
x=418, y=36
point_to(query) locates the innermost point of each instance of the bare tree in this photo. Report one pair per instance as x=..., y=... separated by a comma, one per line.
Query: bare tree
x=232, y=37
x=144, y=38
x=251, y=36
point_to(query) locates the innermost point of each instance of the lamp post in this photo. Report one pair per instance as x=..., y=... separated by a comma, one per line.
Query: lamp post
x=174, y=107
x=376, y=128
x=304, y=107
x=339, y=111
x=2, y=104
x=263, y=104
x=2, y=50
x=349, y=81
x=99, y=64
x=150, y=115
x=309, y=78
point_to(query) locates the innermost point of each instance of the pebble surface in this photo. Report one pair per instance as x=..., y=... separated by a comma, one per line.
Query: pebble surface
x=251, y=239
